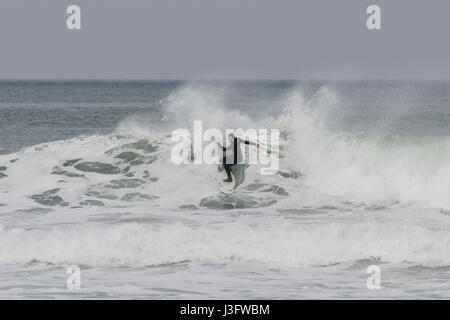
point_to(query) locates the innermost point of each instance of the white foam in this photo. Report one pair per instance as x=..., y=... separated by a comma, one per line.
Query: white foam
x=373, y=170
x=277, y=244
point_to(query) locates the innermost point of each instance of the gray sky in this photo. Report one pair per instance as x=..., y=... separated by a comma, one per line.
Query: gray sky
x=250, y=39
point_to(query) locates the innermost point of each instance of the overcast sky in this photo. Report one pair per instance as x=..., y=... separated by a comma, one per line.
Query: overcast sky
x=245, y=39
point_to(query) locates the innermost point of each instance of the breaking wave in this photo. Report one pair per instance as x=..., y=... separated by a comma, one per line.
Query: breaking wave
x=278, y=244
x=133, y=163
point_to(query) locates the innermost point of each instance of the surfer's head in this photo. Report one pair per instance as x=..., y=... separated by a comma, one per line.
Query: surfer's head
x=231, y=137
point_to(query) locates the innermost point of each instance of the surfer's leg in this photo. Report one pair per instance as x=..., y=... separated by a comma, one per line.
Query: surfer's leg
x=228, y=171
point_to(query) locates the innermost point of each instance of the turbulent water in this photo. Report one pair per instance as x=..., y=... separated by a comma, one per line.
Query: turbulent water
x=86, y=179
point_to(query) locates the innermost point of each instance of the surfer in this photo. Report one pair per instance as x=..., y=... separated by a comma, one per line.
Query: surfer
x=231, y=159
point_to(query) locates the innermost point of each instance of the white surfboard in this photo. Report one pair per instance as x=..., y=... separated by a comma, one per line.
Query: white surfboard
x=225, y=187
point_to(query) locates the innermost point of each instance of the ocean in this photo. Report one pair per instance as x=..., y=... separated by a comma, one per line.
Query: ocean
x=87, y=180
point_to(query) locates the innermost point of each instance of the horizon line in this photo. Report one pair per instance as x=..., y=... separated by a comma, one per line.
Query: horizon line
x=224, y=79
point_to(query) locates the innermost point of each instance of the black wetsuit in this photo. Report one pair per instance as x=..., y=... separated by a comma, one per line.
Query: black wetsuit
x=237, y=155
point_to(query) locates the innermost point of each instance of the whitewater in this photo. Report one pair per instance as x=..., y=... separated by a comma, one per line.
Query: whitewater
x=86, y=179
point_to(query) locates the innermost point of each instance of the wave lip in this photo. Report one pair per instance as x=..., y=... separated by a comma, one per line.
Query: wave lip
x=276, y=244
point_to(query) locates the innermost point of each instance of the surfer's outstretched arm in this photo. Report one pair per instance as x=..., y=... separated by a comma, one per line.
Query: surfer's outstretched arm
x=249, y=142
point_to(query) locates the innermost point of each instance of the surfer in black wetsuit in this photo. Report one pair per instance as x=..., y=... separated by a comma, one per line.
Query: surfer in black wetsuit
x=234, y=158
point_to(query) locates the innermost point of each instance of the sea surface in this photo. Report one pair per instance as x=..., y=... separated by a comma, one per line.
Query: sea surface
x=87, y=179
